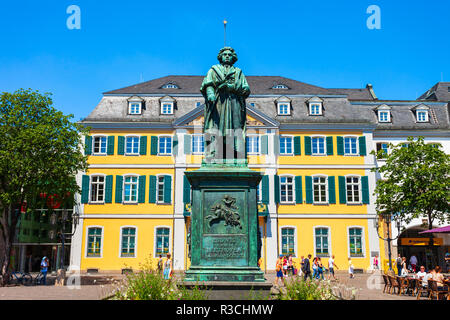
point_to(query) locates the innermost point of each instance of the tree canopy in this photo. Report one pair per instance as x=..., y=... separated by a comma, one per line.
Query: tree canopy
x=40, y=152
x=414, y=182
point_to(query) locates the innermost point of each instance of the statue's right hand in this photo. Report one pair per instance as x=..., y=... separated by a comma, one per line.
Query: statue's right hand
x=211, y=98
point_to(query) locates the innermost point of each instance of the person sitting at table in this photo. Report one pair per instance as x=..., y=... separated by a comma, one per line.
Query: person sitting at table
x=422, y=275
x=439, y=278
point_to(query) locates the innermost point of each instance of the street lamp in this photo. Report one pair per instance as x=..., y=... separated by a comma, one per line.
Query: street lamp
x=388, y=218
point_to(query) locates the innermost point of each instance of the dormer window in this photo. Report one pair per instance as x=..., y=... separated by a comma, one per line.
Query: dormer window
x=170, y=85
x=280, y=86
x=135, y=105
x=421, y=113
x=283, y=106
x=384, y=113
x=315, y=106
x=167, y=105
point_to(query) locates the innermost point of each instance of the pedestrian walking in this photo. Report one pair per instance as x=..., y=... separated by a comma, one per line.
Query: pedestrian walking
x=319, y=269
x=160, y=264
x=44, y=269
x=350, y=268
x=399, y=264
x=375, y=263
x=404, y=269
x=315, y=267
x=331, y=266
x=285, y=266
x=279, y=269
x=302, y=263
x=290, y=265
x=168, y=268
x=306, y=268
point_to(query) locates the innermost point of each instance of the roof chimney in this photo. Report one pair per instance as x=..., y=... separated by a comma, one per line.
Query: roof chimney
x=370, y=88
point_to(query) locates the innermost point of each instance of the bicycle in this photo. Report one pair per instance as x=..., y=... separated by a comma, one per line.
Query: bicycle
x=39, y=278
x=21, y=278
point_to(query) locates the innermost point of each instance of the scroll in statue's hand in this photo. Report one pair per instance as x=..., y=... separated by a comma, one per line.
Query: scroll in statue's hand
x=211, y=98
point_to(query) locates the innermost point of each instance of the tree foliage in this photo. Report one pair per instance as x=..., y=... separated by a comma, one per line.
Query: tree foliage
x=40, y=152
x=414, y=182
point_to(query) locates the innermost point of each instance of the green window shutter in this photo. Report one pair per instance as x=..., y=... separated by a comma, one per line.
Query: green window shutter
x=186, y=190
x=143, y=145
x=309, y=189
x=175, y=145
x=85, y=181
x=119, y=188
x=108, y=189
x=307, y=145
x=340, y=145
x=141, y=191
x=362, y=146
x=87, y=145
x=121, y=145
x=152, y=189
x=264, y=144
x=110, y=146
x=167, y=189
x=365, y=190
x=276, y=144
x=187, y=143
x=297, y=146
x=153, y=145
x=342, y=190
x=331, y=190
x=277, y=188
x=265, y=189
x=298, y=190
x=330, y=146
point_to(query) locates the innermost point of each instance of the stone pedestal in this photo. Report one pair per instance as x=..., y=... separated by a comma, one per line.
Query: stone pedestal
x=224, y=227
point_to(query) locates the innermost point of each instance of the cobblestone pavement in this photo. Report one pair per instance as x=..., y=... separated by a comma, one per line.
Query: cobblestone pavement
x=96, y=287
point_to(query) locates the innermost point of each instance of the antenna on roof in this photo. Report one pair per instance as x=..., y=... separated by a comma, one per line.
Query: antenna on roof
x=225, y=33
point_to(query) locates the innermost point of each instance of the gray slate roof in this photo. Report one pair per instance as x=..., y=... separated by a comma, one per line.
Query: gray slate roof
x=439, y=92
x=259, y=85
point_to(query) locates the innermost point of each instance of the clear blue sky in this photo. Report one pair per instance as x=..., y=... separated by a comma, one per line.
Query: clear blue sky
x=324, y=43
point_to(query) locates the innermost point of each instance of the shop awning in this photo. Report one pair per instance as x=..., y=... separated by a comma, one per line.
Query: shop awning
x=445, y=229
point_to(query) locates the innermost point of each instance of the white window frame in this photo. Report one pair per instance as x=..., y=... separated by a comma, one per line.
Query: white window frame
x=291, y=137
x=324, y=146
x=330, y=251
x=171, y=145
x=130, y=107
x=87, y=241
x=280, y=86
x=326, y=189
x=251, y=145
x=155, y=243
x=258, y=192
x=130, y=175
x=138, y=145
x=168, y=103
x=90, y=188
x=170, y=85
x=363, y=242
x=359, y=189
x=282, y=103
x=192, y=143
x=356, y=143
x=171, y=188
x=93, y=145
x=293, y=189
x=425, y=112
x=381, y=109
x=280, y=239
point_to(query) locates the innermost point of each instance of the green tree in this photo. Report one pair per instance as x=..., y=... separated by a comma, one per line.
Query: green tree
x=415, y=182
x=40, y=152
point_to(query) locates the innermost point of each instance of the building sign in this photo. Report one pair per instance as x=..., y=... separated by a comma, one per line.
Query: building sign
x=420, y=241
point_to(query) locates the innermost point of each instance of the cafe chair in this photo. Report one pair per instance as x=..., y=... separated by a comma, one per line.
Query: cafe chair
x=387, y=284
x=420, y=288
x=434, y=292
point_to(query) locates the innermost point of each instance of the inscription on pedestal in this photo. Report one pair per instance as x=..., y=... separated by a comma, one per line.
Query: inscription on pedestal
x=225, y=248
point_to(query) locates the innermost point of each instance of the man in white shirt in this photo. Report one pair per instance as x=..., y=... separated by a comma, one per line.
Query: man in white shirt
x=331, y=266
x=423, y=276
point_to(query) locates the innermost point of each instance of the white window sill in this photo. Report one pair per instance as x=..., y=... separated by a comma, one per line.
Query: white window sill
x=132, y=154
x=96, y=202
x=98, y=154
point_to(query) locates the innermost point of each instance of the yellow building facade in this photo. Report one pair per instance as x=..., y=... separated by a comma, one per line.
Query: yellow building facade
x=314, y=150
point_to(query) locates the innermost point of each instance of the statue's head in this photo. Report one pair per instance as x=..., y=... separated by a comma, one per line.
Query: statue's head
x=227, y=55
